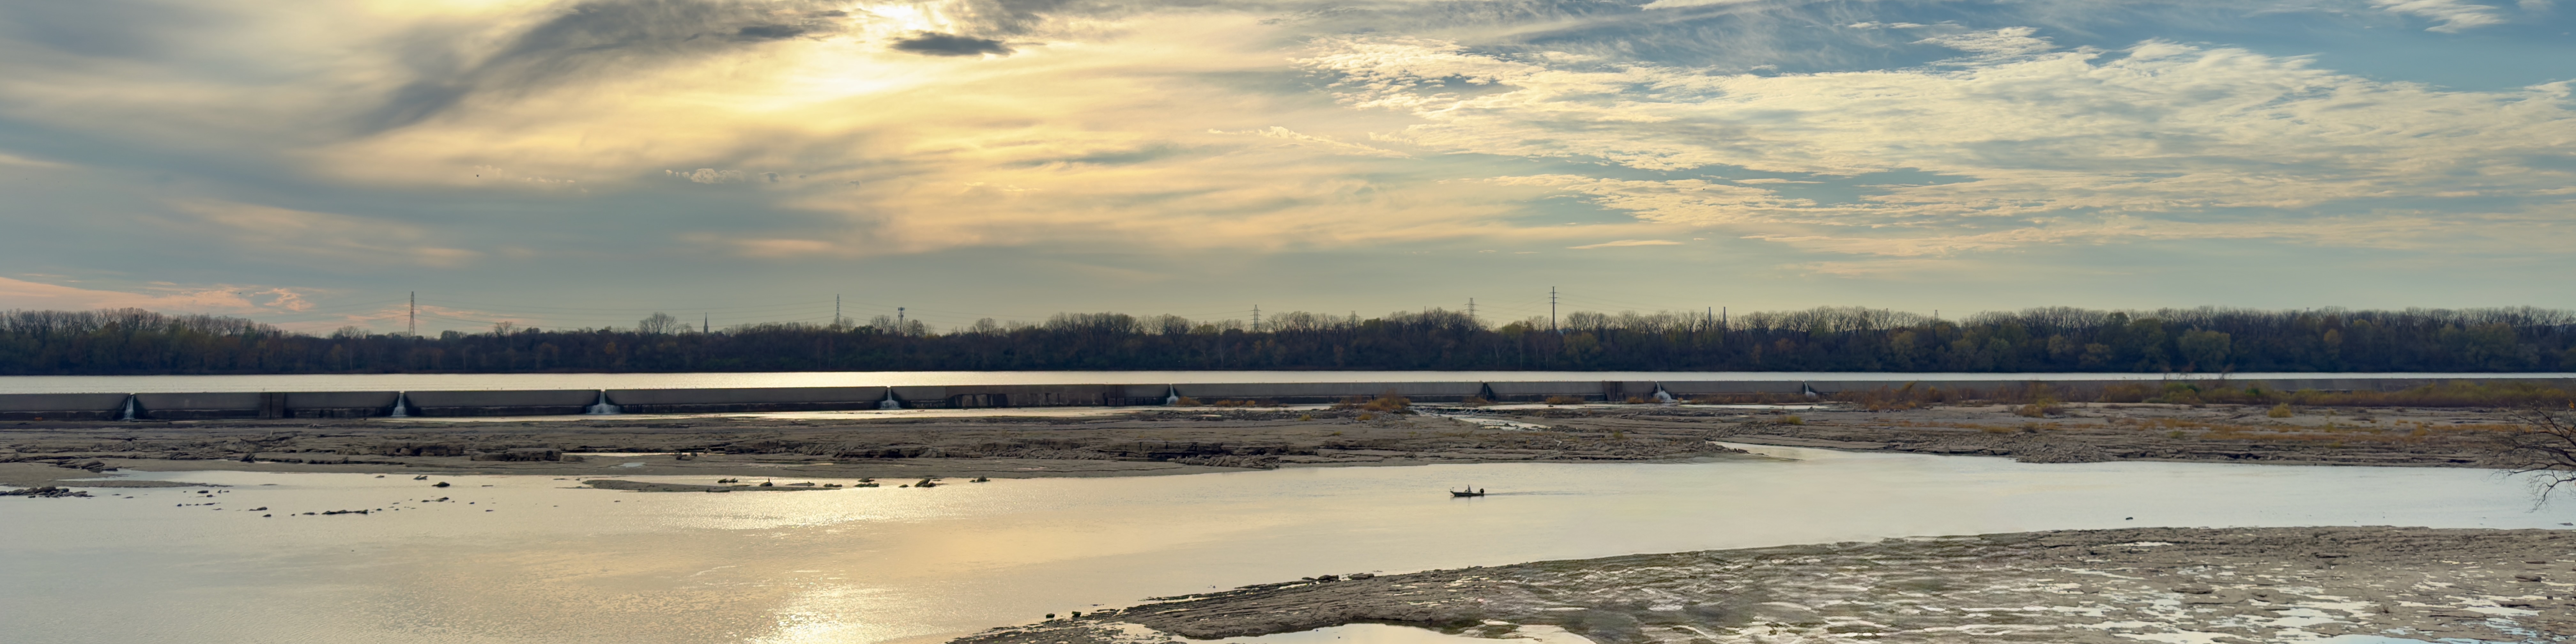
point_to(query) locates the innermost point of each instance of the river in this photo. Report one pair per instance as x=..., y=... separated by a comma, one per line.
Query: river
x=534, y=559
x=492, y=381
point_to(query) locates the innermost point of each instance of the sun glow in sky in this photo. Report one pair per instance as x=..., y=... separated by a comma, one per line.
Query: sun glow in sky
x=584, y=163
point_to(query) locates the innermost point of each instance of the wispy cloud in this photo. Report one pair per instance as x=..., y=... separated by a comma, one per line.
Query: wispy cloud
x=289, y=233
x=24, y=294
x=1626, y=243
x=1319, y=143
x=12, y=159
x=2454, y=15
x=2021, y=132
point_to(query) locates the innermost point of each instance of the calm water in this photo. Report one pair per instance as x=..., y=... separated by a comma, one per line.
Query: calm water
x=470, y=381
x=533, y=560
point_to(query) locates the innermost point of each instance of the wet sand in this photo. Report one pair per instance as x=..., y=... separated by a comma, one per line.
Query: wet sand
x=2155, y=584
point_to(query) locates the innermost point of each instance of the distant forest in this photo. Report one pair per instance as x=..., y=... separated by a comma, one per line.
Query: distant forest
x=2205, y=340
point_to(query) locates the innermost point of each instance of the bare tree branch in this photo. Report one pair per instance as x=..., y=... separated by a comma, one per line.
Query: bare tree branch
x=2544, y=448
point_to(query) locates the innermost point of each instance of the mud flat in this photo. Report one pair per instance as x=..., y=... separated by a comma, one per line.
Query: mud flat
x=1132, y=444
x=1198, y=440
x=2155, y=584
x=2086, y=432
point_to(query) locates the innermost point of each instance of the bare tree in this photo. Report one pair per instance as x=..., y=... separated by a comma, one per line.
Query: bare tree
x=657, y=324
x=2544, y=448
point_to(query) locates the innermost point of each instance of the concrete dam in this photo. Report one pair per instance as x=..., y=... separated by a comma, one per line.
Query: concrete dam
x=549, y=402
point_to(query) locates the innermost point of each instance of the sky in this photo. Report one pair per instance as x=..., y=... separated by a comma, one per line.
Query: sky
x=583, y=164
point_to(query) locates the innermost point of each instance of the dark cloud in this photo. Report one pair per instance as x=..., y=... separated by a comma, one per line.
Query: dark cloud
x=770, y=32
x=939, y=44
x=595, y=39
x=125, y=29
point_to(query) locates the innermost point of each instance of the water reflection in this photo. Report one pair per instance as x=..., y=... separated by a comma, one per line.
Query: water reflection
x=539, y=559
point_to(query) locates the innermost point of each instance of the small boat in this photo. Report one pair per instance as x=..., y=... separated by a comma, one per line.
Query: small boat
x=1469, y=492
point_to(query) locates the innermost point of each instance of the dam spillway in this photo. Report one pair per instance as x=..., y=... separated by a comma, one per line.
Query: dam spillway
x=702, y=400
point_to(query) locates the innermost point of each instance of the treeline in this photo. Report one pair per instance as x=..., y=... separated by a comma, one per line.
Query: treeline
x=2203, y=340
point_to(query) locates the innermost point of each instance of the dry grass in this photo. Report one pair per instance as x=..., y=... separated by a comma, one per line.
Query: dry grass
x=1388, y=402
x=2041, y=408
x=1746, y=399
x=2364, y=432
x=2454, y=394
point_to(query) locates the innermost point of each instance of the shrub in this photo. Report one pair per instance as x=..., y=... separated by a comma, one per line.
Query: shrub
x=2125, y=393
x=2280, y=411
x=1906, y=397
x=1186, y=401
x=1564, y=400
x=2041, y=408
x=1387, y=402
x=1792, y=420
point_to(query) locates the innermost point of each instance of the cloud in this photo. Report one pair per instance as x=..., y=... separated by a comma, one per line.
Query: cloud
x=1319, y=143
x=2455, y=15
x=2009, y=41
x=22, y=294
x=2381, y=232
x=2019, y=135
x=597, y=37
x=345, y=239
x=707, y=175
x=12, y=159
x=1684, y=201
x=1627, y=242
x=938, y=44
x=1128, y=126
